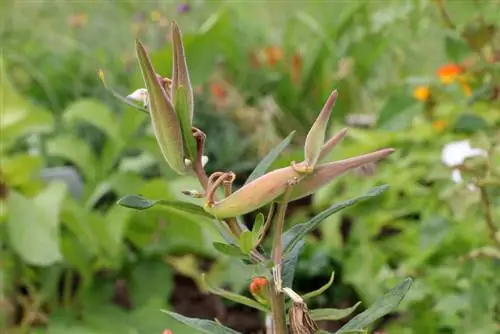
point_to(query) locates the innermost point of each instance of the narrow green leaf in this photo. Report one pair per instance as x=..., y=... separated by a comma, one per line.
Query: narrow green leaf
x=332, y=313
x=228, y=249
x=296, y=233
x=319, y=291
x=257, y=227
x=246, y=242
x=265, y=163
x=183, y=114
x=233, y=296
x=382, y=306
x=205, y=326
x=290, y=263
x=141, y=203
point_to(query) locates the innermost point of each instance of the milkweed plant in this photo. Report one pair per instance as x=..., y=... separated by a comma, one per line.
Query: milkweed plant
x=170, y=105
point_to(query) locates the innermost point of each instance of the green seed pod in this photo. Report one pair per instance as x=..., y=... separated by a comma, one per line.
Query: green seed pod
x=164, y=120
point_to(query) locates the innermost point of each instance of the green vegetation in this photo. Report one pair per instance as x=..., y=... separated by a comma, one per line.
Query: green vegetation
x=422, y=77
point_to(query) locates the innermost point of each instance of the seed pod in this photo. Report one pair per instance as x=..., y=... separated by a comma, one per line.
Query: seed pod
x=325, y=173
x=300, y=320
x=316, y=136
x=164, y=120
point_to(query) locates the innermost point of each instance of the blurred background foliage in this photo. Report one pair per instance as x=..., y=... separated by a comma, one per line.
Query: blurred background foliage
x=412, y=74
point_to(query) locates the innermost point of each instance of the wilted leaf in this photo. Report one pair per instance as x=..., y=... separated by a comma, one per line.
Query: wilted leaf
x=332, y=313
x=296, y=233
x=265, y=163
x=382, y=306
x=205, y=326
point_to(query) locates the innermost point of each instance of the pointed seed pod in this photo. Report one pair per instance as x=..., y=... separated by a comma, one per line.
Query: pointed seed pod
x=164, y=120
x=300, y=320
x=316, y=136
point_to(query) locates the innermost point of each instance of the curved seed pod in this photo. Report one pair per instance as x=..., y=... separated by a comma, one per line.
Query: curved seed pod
x=316, y=136
x=180, y=73
x=325, y=173
x=254, y=195
x=331, y=143
x=164, y=120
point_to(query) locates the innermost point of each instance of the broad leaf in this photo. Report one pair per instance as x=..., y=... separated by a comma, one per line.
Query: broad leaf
x=296, y=233
x=205, y=326
x=34, y=230
x=265, y=163
x=332, y=313
x=141, y=203
x=233, y=296
x=382, y=306
x=398, y=113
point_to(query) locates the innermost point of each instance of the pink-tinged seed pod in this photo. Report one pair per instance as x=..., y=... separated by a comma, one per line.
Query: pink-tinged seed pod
x=254, y=195
x=325, y=173
x=163, y=118
x=316, y=137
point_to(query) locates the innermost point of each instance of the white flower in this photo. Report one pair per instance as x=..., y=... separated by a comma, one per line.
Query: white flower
x=454, y=155
x=140, y=95
x=204, y=160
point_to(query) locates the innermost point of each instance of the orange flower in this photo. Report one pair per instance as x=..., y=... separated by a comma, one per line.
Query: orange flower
x=273, y=55
x=439, y=125
x=257, y=284
x=217, y=91
x=422, y=93
x=449, y=73
x=296, y=67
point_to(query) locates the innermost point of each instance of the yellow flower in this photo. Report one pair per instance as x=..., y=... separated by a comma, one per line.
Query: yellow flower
x=155, y=16
x=422, y=93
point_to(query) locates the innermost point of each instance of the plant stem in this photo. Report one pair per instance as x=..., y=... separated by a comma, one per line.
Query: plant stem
x=277, y=298
x=492, y=230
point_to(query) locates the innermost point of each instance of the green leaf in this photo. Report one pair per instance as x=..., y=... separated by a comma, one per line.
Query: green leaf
x=75, y=151
x=320, y=290
x=33, y=230
x=382, y=306
x=227, y=249
x=296, y=233
x=233, y=296
x=456, y=48
x=94, y=113
x=141, y=203
x=257, y=227
x=290, y=263
x=332, y=313
x=246, y=242
x=265, y=163
x=398, y=112
x=205, y=326
x=470, y=123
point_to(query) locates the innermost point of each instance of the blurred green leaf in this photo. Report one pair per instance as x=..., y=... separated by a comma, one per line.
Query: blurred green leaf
x=151, y=279
x=227, y=249
x=383, y=306
x=246, y=242
x=141, y=203
x=456, y=49
x=268, y=160
x=95, y=113
x=470, y=123
x=298, y=232
x=76, y=151
x=398, y=112
x=332, y=313
x=34, y=230
x=233, y=296
x=204, y=326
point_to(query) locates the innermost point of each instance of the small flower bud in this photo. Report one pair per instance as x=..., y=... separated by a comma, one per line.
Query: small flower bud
x=259, y=288
x=140, y=95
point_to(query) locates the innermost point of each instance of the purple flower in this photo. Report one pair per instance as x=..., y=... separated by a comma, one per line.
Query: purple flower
x=183, y=8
